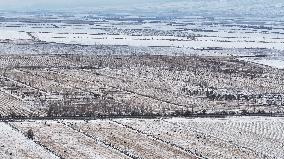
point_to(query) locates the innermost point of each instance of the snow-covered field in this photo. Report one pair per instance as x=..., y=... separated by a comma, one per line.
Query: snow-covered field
x=130, y=141
x=13, y=144
x=12, y=105
x=201, y=35
x=188, y=32
x=56, y=67
x=66, y=142
x=35, y=84
x=245, y=137
x=235, y=137
x=272, y=62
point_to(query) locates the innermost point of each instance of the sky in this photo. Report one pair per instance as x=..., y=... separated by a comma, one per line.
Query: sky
x=273, y=7
x=49, y=4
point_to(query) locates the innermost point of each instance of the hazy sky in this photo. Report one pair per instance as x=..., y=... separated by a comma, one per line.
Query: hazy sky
x=10, y=4
x=155, y=5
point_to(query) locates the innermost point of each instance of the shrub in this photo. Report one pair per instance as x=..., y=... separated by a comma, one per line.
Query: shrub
x=30, y=134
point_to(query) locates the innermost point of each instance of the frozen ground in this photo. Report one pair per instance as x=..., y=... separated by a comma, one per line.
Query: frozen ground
x=201, y=35
x=237, y=137
x=189, y=32
x=13, y=144
x=257, y=137
x=41, y=85
x=272, y=62
x=157, y=60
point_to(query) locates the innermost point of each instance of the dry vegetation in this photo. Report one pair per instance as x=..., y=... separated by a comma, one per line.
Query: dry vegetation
x=233, y=137
x=94, y=86
x=44, y=87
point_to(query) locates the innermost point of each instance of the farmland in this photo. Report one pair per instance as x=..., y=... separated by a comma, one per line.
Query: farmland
x=236, y=137
x=75, y=85
x=92, y=85
x=96, y=107
x=62, y=99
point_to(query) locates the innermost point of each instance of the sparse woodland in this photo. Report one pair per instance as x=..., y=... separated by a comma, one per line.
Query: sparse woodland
x=114, y=85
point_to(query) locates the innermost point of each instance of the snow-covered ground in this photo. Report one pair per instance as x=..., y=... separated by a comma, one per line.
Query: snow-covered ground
x=234, y=137
x=14, y=144
x=274, y=62
x=149, y=34
x=49, y=68
x=157, y=84
x=244, y=137
x=67, y=142
x=91, y=29
x=201, y=35
x=139, y=145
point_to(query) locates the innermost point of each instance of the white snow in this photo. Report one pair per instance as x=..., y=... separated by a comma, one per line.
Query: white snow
x=15, y=145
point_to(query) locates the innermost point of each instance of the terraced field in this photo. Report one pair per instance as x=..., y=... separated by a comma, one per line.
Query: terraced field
x=166, y=80
x=14, y=144
x=124, y=139
x=234, y=137
x=79, y=85
x=66, y=142
x=54, y=108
